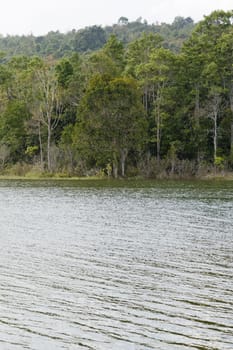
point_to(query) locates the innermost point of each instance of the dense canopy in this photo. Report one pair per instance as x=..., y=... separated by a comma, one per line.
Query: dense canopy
x=131, y=99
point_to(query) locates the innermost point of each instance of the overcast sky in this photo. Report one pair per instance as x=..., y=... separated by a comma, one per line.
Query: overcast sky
x=41, y=16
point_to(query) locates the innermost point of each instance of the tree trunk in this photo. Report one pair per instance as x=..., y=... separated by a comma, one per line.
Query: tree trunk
x=197, y=118
x=115, y=166
x=216, y=104
x=124, y=153
x=158, y=135
x=115, y=170
x=41, y=148
x=231, y=107
x=158, y=101
x=48, y=147
x=215, y=134
x=232, y=136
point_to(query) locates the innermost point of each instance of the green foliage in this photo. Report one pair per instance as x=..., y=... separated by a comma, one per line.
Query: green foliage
x=219, y=162
x=109, y=100
x=110, y=119
x=13, y=128
x=91, y=38
x=115, y=50
x=31, y=150
x=64, y=72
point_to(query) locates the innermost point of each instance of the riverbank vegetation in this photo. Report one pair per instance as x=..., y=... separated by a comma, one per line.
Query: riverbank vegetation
x=134, y=100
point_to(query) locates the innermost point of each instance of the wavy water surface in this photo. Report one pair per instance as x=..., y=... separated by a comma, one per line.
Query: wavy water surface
x=116, y=268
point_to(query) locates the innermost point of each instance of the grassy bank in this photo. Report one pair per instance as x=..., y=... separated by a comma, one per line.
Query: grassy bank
x=182, y=171
x=57, y=176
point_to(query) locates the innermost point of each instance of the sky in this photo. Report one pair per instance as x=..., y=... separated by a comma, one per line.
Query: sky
x=38, y=17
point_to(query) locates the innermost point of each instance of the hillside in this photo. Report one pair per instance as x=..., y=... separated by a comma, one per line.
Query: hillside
x=93, y=38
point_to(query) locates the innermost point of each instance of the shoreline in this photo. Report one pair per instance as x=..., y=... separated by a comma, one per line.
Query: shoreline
x=208, y=177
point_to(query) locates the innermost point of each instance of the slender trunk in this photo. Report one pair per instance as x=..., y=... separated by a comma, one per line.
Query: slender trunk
x=232, y=137
x=115, y=161
x=158, y=134
x=231, y=107
x=115, y=169
x=158, y=118
x=48, y=145
x=216, y=103
x=123, y=159
x=158, y=140
x=197, y=118
x=70, y=153
x=41, y=148
x=215, y=134
x=173, y=161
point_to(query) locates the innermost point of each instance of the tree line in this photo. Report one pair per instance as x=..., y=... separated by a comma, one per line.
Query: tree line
x=94, y=37
x=123, y=110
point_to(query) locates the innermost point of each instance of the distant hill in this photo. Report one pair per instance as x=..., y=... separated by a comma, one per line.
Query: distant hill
x=92, y=38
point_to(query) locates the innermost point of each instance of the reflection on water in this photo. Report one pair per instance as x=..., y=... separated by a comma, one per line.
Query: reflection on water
x=126, y=268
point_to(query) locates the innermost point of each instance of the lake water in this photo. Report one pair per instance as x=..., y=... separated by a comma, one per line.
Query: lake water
x=134, y=266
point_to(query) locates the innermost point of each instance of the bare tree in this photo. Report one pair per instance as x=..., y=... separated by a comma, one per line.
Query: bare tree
x=49, y=104
x=214, y=110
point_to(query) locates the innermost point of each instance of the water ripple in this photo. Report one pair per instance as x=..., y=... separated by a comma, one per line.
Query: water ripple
x=116, y=268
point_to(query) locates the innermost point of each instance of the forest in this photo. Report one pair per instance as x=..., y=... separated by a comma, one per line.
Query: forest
x=128, y=100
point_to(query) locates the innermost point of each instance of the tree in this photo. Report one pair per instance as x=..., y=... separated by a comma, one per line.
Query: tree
x=100, y=63
x=156, y=75
x=207, y=57
x=90, y=38
x=138, y=51
x=13, y=132
x=123, y=20
x=47, y=104
x=225, y=59
x=180, y=22
x=109, y=60
x=110, y=121
x=114, y=49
